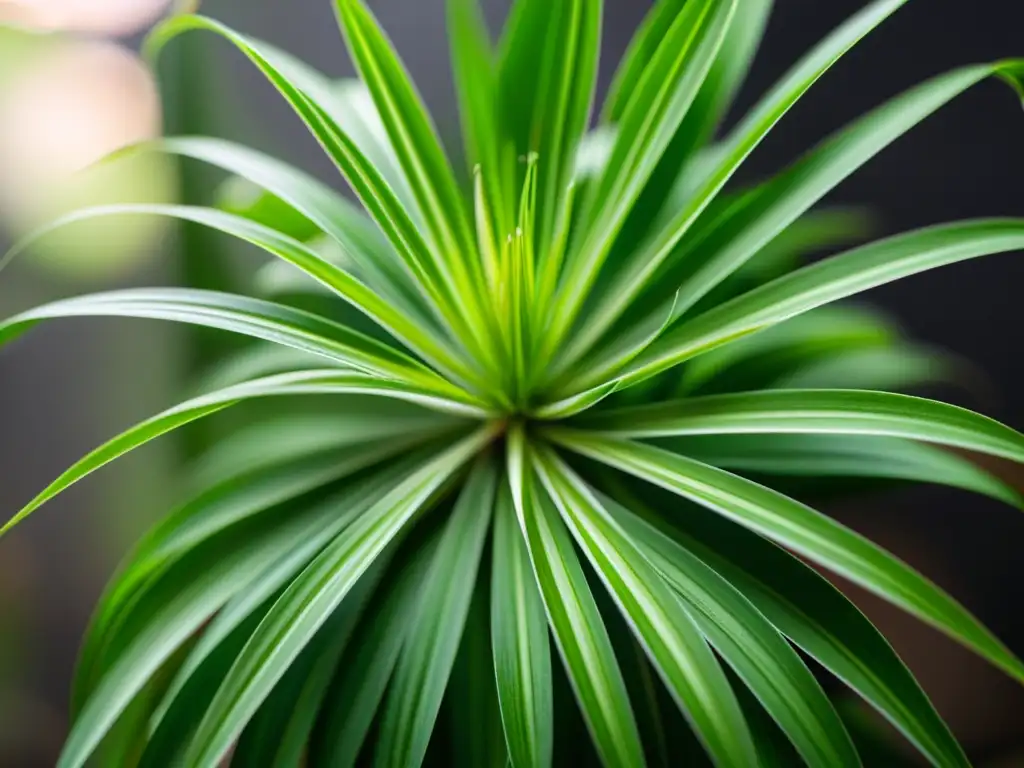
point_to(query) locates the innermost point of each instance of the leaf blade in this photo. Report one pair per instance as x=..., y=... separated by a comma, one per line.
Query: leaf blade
x=575, y=620
x=427, y=659
x=835, y=412
x=657, y=617
x=751, y=645
x=804, y=531
x=303, y=382
x=310, y=599
x=521, y=651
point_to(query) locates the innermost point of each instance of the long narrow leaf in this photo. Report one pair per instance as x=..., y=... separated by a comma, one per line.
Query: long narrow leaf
x=574, y=617
x=325, y=209
x=739, y=237
x=839, y=456
x=762, y=659
x=404, y=327
x=300, y=383
x=412, y=136
x=237, y=314
x=666, y=90
x=371, y=188
x=367, y=667
x=745, y=137
x=661, y=624
x=836, y=412
x=427, y=659
x=802, y=530
x=830, y=280
x=522, y=655
x=819, y=618
x=311, y=599
x=184, y=599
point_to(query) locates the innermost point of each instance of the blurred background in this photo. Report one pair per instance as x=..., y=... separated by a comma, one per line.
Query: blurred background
x=72, y=89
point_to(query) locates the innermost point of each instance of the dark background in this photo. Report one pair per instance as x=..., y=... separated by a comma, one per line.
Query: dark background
x=72, y=385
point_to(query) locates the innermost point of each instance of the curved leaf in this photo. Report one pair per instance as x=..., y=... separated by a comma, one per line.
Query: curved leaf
x=792, y=193
x=804, y=531
x=313, y=596
x=367, y=665
x=189, y=526
x=357, y=424
x=522, y=655
x=369, y=185
x=668, y=86
x=642, y=264
x=237, y=314
x=666, y=630
x=819, y=618
x=753, y=362
x=833, y=456
x=278, y=573
x=413, y=138
x=325, y=209
x=574, y=617
x=299, y=383
x=755, y=650
x=185, y=597
x=830, y=280
x=426, y=662
x=404, y=327
x=835, y=412
x=892, y=369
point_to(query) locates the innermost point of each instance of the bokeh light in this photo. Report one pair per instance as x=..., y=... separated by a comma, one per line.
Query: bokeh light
x=72, y=107
x=106, y=17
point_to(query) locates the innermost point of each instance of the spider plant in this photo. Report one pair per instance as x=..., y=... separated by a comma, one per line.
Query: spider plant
x=534, y=410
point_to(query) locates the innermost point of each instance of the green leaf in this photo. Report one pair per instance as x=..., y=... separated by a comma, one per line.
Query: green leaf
x=522, y=654
x=367, y=665
x=783, y=199
x=253, y=361
x=472, y=696
x=571, y=406
x=237, y=314
x=819, y=618
x=834, y=456
x=313, y=596
x=313, y=201
x=834, y=412
x=657, y=617
x=166, y=743
x=654, y=110
x=283, y=724
x=299, y=383
x=190, y=525
x=755, y=650
x=367, y=182
x=404, y=327
x=754, y=362
x=830, y=280
x=350, y=105
x=355, y=424
x=422, y=675
x=414, y=139
x=792, y=193
x=804, y=531
x=546, y=77
x=475, y=71
x=645, y=261
x=681, y=157
x=579, y=631
x=177, y=606
x=278, y=573
x=898, y=368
